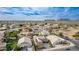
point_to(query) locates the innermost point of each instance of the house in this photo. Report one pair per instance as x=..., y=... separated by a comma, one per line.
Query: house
x=44, y=32
x=38, y=42
x=2, y=35
x=59, y=44
x=24, y=42
x=3, y=28
x=2, y=46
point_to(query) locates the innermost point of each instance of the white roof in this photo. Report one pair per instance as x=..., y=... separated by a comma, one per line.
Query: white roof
x=44, y=32
x=2, y=32
x=36, y=38
x=2, y=28
x=54, y=38
x=23, y=32
x=24, y=40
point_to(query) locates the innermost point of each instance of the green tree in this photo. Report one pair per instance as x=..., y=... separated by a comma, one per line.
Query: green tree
x=11, y=40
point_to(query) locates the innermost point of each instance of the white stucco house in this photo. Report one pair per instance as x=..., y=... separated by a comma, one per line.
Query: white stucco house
x=38, y=42
x=24, y=41
x=60, y=44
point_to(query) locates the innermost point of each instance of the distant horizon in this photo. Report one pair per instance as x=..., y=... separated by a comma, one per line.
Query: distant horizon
x=61, y=19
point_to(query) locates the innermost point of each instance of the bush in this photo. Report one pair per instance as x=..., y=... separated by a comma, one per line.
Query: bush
x=10, y=46
x=75, y=35
x=11, y=34
x=11, y=39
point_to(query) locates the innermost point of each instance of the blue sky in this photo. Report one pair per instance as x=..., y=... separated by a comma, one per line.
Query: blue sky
x=40, y=13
